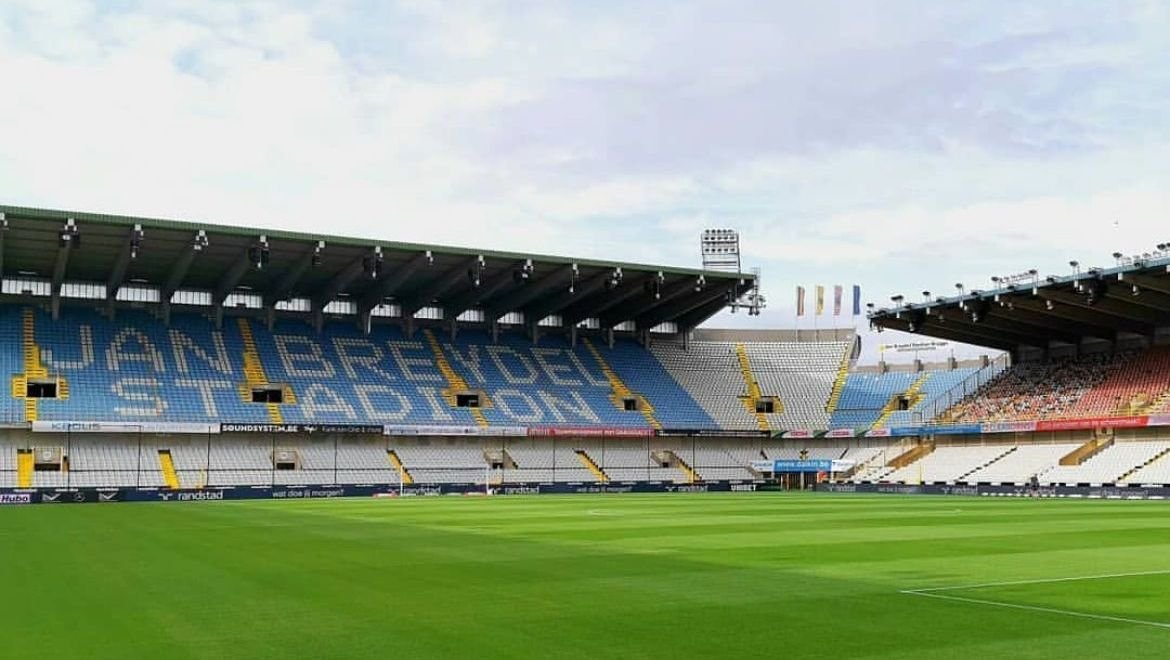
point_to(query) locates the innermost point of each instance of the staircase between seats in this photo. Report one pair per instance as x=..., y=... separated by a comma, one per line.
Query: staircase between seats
x=455, y=382
x=753, y=388
x=620, y=391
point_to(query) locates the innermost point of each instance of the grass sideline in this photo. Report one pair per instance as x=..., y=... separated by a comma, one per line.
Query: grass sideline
x=629, y=576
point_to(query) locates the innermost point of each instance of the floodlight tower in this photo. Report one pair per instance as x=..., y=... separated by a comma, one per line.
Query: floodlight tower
x=720, y=250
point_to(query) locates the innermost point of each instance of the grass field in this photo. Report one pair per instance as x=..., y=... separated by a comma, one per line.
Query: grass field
x=779, y=576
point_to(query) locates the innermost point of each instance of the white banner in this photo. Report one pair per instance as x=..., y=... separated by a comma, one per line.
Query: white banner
x=915, y=347
x=494, y=431
x=123, y=427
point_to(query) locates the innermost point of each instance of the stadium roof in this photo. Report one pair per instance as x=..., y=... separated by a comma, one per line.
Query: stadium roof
x=61, y=247
x=1030, y=310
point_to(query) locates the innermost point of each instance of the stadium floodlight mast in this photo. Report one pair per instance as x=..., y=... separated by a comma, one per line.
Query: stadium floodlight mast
x=721, y=252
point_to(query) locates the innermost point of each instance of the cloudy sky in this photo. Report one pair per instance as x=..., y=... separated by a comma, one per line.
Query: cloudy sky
x=900, y=145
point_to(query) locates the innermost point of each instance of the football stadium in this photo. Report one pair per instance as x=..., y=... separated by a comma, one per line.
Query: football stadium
x=584, y=330
x=625, y=481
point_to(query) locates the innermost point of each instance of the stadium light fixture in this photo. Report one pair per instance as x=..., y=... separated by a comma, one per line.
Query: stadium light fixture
x=69, y=235
x=524, y=273
x=3, y=221
x=136, y=235
x=1117, y=256
x=258, y=254
x=960, y=288
x=372, y=263
x=897, y=300
x=926, y=295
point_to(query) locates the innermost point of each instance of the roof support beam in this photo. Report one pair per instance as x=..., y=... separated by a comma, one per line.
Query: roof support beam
x=1069, y=318
x=475, y=295
x=607, y=300
x=565, y=275
x=541, y=309
x=995, y=320
x=344, y=278
x=1145, y=282
x=672, y=311
x=179, y=268
x=988, y=327
x=230, y=278
x=1146, y=298
x=290, y=278
x=66, y=240
x=128, y=253
x=3, y=233
x=943, y=332
x=693, y=318
x=440, y=286
x=1138, y=320
x=389, y=285
x=667, y=293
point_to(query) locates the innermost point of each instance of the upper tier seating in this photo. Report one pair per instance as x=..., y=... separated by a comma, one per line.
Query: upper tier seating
x=799, y=374
x=1037, y=391
x=864, y=396
x=134, y=368
x=931, y=386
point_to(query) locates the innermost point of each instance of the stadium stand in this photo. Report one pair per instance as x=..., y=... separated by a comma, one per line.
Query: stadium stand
x=1125, y=384
x=1109, y=466
x=949, y=464
x=799, y=375
x=1020, y=464
x=1036, y=391
x=135, y=368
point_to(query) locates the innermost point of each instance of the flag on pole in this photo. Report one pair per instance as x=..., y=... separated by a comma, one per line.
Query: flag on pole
x=800, y=301
x=838, y=293
x=857, y=300
x=820, y=300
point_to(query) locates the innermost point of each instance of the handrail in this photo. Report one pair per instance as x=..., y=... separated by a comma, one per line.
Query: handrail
x=930, y=410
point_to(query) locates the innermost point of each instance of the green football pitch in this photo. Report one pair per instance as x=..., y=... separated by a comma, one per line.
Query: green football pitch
x=628, y=576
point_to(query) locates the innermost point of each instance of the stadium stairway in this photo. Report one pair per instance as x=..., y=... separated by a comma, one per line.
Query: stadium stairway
x=1095, y=445
x=1158, y=457
x=1007, y=452
x=592, y=466
x=403, y=474
x=753, y=388
x=167, y=463
x=688, y=471
x=455, y=382
x=838, y=385
x=913, y=395
x=24, y=468
x=255, y=375
x=913, y=455
x=34, y=369
x=620, y=391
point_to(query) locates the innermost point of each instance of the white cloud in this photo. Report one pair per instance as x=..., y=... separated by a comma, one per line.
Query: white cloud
x=891, y=145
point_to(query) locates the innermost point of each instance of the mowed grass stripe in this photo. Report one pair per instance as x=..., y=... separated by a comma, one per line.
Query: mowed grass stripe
x=574, y=577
